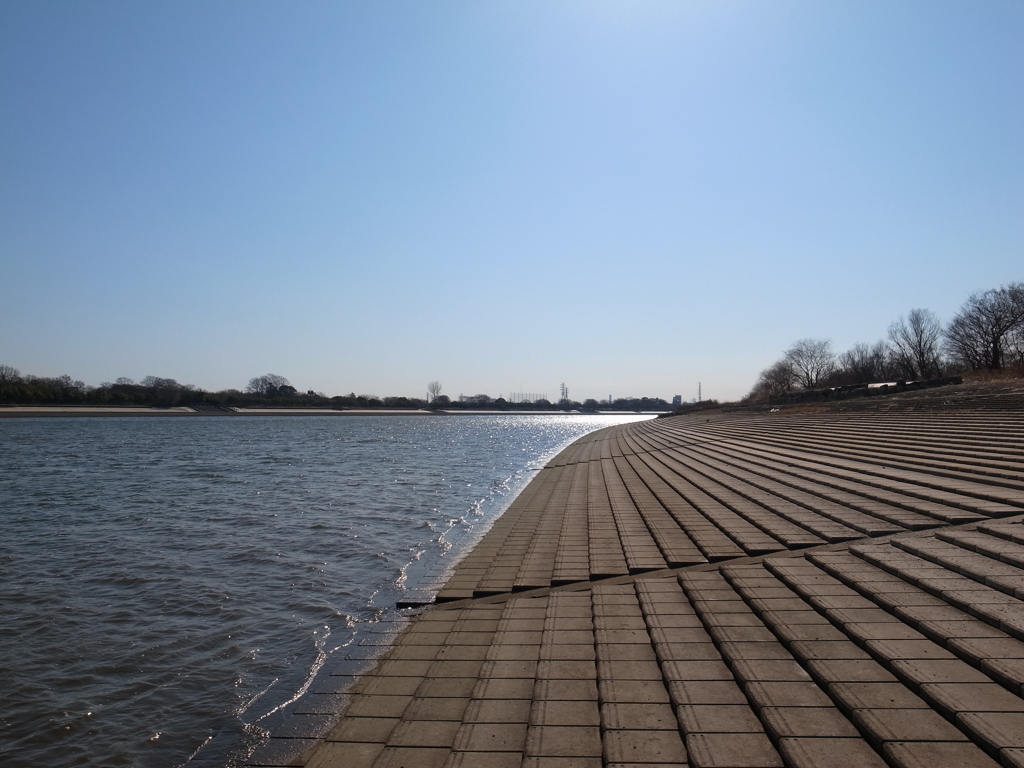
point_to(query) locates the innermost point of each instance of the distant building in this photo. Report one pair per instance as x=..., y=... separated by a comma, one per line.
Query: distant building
x=677, y=400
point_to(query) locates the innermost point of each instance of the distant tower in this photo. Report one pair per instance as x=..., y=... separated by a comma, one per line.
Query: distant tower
x=698, y=391
x=565, y=392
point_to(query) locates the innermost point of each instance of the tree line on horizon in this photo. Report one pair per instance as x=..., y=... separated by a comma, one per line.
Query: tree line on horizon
x=268, y=390
x=986, y=334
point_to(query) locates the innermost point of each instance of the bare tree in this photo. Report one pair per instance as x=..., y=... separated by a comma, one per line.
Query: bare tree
x=1014, y=352
x=915, y=343
x=865, y=364
x=812, y=361
x=987, y=328
x=433, y=390
x=773, y=381
x=9, y=374
x=165, y=392
x=268, y=385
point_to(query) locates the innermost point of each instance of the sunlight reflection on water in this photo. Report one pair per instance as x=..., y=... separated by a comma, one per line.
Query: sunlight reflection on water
x=168, y=580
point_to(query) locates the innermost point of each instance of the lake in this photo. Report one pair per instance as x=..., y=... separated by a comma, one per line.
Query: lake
x=167, y=583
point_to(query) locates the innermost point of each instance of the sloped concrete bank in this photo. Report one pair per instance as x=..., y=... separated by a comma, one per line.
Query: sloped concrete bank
x=819, y=588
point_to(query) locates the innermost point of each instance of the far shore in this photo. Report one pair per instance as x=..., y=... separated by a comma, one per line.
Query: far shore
x=35, y=411
x=26, y=411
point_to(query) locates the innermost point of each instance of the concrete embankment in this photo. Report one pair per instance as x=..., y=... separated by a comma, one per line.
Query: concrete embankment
x=817, y=588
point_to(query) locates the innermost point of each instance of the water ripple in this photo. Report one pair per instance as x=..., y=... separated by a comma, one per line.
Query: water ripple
x=167, y=584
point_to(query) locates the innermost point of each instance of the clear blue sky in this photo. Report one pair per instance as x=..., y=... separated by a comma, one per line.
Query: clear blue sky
x=629, y=197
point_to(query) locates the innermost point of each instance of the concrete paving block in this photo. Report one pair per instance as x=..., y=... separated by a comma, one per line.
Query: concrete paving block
x=411, y=757
x=790, y=617
x=744, y=618
x=906, y=725
x=578, y=713
x=575, y=652
x=706, y=692
x=751, y=651
x=633, y=691
x=769, y=670
x=731, y=750
x=952, y=698
x=671, y=621
x=436, y=709
x=565, y=690
x=907, y=649
x=490, y=737
x=1002, y=730
x=513, y=652
x=644, y=746
x=626, y=652
x=489, y=759
x=620, y=622
x=829, y=753
x=706, y=651
x=497, y=711
x=565, y=670
x=749, y=634
x=508, y=669
x=827, y=649
x=1010, y=672
x=345, y=755
x=602, y=636
x=990, y=647
x=882, y=631
x=413, y=652
x=694, y=670
x=424, y=733
x=625, y=716
x=561, y=762
x=936, y=755
x=391, y=686
x=452, y=668
x=718, y=718
x=839, y=598
x=377, y=706
x=937, y=671
x=364, y=729
x=781, y=694
x=808, y=722
x=794, y=633
x=503, y=688
x=850, y=671
x=636, y=670
x=563, y=741
x=463, y=652
x=447, y=687
x=852, y=696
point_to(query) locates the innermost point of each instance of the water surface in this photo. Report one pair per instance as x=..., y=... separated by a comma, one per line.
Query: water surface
x=167, y=581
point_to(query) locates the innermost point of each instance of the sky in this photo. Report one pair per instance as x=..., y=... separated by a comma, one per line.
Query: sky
x=630, y=198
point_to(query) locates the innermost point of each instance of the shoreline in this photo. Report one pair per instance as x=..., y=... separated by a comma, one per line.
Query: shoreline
x=33, y=411
x=621, y=611
x=49, y=411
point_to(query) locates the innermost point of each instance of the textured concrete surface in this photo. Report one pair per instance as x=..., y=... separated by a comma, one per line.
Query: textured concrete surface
x=823, y=588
